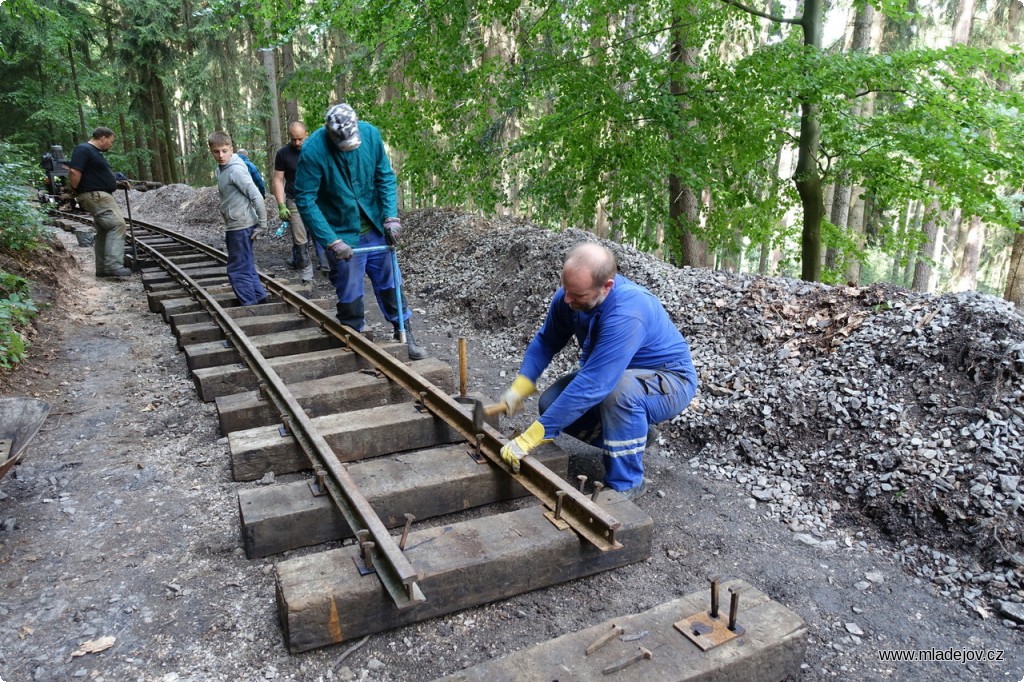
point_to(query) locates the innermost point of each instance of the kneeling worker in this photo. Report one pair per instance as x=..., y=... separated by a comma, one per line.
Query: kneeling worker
x=635, y=368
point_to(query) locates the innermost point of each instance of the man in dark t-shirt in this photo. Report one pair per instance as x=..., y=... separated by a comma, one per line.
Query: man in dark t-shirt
x=285, y=162
x=93, y=182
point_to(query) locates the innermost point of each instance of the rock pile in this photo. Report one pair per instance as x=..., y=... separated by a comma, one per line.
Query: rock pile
x=827, y=403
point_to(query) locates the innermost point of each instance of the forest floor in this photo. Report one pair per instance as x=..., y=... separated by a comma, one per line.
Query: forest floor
x=120, y=551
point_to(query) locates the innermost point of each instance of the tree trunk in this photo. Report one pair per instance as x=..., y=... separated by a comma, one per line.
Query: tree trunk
x=807, y=179
x=270, y=65
x=340, y=57
x=847, y=212
x=140, y=164
x=291, y=105
x=152, y=136
x=683, y=207
x=969, y=248
x=927, y=251
x=835, y=256
x=167, y=139
x=78, y=94
x=966, y=278
x=858, y=229
x=1014, y=291
x=963, y=21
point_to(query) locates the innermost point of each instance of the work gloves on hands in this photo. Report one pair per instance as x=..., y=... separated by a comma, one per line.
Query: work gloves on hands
x=392, y=228
x=282, y=211
x=341, y=250
x=521, y=389
x=522, y=445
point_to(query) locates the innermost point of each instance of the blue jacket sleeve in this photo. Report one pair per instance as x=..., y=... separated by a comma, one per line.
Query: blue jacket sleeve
x=549, y=340
x=620, y=338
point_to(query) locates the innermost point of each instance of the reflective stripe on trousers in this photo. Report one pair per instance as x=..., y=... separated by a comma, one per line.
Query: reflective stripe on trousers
x=618, y=425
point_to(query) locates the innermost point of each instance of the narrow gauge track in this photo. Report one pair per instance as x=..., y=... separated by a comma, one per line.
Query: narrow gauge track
x=297, y=391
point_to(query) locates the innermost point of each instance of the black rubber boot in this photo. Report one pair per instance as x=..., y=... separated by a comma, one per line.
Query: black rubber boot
x=352, y=314
x=416, y=352
x=296, y=258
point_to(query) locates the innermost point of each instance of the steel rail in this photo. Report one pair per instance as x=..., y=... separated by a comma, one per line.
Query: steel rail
x=395, y=571
x=585, y=517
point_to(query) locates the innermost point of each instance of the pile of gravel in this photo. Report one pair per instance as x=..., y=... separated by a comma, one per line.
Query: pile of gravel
x=828, y=404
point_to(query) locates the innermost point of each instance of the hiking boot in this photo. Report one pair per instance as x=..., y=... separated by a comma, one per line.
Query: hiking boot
x=119, y=273
x=635, y=493
x=416, y=352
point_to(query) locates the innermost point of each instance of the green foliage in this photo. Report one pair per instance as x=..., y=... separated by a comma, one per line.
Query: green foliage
x=556, y=109
x=21, y=229
x=21, y=218
x=16, y=311
x=561, y=111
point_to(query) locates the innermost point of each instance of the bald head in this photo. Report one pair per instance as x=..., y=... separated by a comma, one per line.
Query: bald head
x=594, y=259
x=297, y=134
x=588, y=275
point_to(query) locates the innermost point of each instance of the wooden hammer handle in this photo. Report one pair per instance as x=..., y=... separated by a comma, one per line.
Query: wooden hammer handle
x=496, y=408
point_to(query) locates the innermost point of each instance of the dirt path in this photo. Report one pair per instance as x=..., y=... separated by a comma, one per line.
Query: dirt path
x=122, y=523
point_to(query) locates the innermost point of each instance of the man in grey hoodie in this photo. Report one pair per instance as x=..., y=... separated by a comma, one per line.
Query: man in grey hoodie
x=244, y=210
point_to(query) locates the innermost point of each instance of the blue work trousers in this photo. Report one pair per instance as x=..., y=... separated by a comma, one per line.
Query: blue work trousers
x=618, y=424
x=242, y=267
x=347, y=278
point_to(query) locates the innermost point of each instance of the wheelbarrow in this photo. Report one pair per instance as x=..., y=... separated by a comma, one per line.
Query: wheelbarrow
x=20, y=419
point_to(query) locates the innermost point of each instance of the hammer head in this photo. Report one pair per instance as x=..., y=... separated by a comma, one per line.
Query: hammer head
x=478, y=416
x=482, y=412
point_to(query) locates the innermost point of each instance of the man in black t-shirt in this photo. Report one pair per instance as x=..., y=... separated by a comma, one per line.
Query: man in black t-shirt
x=285, y=162
x=94, y=184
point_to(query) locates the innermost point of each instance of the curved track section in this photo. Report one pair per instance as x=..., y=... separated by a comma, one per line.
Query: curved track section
x=387, y=445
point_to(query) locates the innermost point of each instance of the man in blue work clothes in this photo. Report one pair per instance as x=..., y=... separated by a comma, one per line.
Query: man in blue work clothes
x=346, y=193
x=635, y=369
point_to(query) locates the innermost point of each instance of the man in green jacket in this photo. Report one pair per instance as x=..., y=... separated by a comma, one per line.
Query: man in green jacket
x=345, y=192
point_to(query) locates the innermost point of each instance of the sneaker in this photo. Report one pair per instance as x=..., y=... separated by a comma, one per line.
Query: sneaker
x=635, y=493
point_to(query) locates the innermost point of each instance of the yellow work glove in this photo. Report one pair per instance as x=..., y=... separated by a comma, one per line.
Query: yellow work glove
x=521, y=446
x=521, y=389
x=282, y=212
